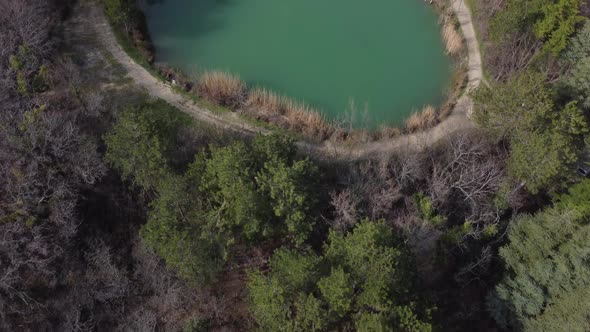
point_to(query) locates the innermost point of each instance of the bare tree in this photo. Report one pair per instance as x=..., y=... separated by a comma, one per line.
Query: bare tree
x=105, y=280
x=467, y=172
x=345, y=210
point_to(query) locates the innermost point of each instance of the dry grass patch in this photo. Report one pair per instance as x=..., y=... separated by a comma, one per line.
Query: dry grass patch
x=222, y=89
x=452, y=38
x=264, y=103
x=389, y=133
x=268, y=106
x=422, y=120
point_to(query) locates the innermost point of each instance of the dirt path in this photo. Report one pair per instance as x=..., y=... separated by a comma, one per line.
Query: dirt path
x=475, y=69
x=327, y=150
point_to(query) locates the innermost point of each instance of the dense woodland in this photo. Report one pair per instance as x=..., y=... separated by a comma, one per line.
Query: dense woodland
x=131, y=217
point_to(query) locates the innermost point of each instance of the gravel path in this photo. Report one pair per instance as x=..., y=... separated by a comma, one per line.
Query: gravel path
x=327, y=150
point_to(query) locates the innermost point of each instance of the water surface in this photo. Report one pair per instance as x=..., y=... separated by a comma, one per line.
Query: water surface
x=384, y=55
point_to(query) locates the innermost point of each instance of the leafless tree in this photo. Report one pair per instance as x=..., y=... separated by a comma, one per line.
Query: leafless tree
x=406, y=168
x=30, y=22
x=142, y=320
x=467, y=172
x=106, y=281
x=345, y=210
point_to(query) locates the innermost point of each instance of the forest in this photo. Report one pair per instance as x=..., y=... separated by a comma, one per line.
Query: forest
x=118, y=212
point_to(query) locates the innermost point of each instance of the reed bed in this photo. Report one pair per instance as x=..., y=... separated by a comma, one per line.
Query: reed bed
x=268, y=106
x=221, y=88
x=422, y=120
x=452, y=38
x=228, y=90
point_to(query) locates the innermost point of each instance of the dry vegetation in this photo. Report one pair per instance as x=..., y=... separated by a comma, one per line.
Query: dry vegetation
x=422, y=120
x=222, y=89
x=229, y=91
x=452, y=38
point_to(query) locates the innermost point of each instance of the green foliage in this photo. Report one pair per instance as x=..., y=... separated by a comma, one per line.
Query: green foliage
x=456, y=234
x=259, y=191
x=363, y=279
x=426, y=209
x=519, y=15
x=32, y=117
x=119, y=11
x=135, y=150
x=577, y=199
x=545, y=141
x=337, y=290
x=279, y=148
x=291, y=189
x=40, y=81
x=174, y=231
x=235, y=206
x=197, y=325
x=310, y=314
x=554, y=21
x=269, y=303
x=547, y=281
x=232, y=194
x=577, y=83
x=578, y=46
x=18, y=62
x=558, y=24
x=138, y=143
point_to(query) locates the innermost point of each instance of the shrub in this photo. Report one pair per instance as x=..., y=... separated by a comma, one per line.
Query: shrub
x=222, y=89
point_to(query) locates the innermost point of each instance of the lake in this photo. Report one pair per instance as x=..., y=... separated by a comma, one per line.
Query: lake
x=384, y=56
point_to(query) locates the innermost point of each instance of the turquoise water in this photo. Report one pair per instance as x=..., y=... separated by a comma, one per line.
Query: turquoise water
x=385, y=56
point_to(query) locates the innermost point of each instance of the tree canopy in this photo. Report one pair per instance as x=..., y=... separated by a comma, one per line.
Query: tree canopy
x=547, y=282
x=545, y=139
x=363, y=280
x=553, y=21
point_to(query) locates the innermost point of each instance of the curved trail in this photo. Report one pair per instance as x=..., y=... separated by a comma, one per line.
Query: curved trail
x=458, y=119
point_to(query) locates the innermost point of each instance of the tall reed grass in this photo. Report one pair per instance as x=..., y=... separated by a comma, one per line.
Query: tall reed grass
x=222, y=89
x=452, y=38
x=422, y=120
x=268, y=106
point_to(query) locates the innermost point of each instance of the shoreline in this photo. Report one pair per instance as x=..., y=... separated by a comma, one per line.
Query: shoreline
x=328, y=149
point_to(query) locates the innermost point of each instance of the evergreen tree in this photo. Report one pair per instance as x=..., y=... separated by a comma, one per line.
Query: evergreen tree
x=547, y=278
x=363, y=280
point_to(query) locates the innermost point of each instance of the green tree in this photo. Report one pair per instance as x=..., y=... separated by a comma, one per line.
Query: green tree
x=291, y=190
x=577, y=83
x=140, y=142
x=174, y=231
x=518, y=15
x=234, y=204
x=259, y=191
x=558, y=23
x=135, y=149
x=119, y=11
x=545, y=140
x=578, y=46
x=363, y=279
x=547, y=278
x=554, y=21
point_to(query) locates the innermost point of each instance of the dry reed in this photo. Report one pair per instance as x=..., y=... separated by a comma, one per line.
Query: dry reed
x=222, y=89
x=422, y=120
x=268, y=106
x=452, y=38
